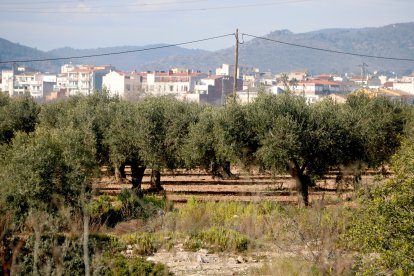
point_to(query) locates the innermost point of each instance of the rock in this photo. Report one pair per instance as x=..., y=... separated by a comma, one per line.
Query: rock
x=202, y=259
x=232, y=261
x=240, y=260
x=151, y=259
x=203, y=251
x=251, y=260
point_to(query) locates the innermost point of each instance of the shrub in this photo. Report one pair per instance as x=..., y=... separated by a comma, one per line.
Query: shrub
x=144, y=243
x=382, y=231
x=120, y=265
x=108, y=211
x=218, y=239
x=287, y=267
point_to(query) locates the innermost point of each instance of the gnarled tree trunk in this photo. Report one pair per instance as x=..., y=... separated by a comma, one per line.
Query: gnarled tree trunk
x=137, y=173
x=302, y=182
x=156, y=181
x=120, y=174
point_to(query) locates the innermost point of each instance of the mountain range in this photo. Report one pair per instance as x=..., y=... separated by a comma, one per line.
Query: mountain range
x=396, y=40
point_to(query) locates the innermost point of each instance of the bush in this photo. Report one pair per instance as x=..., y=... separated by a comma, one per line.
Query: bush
x=108, y=211
x=218, y=239
x=104, y=211
x=287, y=267
x=120, y=265
x=143, y=243
x=56, y=254
x=382, y=230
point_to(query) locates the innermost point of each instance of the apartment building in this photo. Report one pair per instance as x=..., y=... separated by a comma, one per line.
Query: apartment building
x=215, y=89
x=172, y=82
x=123, y=84
x=81, y=79
x=22, y=81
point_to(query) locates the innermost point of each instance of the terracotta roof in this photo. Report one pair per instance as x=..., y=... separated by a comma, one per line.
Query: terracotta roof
x=321, y=82
x=214, y=77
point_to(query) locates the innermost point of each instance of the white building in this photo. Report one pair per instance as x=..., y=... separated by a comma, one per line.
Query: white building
x=170, y=83
x=214, y=90
x=21, y=82
x=319, y=87
x=123, y=84
x=404, y=86
x=242, y=70
x=7, y=81
x=81, y=79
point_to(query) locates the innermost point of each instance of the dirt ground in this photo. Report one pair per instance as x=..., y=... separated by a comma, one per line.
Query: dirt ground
x=181, y=186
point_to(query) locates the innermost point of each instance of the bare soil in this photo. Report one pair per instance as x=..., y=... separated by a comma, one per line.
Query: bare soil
x=181, y=186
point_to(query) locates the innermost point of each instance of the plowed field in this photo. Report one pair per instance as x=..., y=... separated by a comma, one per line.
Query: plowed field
x=181, y=186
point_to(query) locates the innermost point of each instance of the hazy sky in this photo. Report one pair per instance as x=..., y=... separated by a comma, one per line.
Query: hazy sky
x=49, y=24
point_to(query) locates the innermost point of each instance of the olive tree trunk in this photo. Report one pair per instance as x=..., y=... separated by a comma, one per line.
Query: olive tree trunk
x=302, y=182
x=137, y=173
x=156, y=181
x=120, y=174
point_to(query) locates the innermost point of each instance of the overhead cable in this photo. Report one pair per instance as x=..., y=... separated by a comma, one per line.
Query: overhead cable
x=118, y=53
x=328, y=50
x=68, y=11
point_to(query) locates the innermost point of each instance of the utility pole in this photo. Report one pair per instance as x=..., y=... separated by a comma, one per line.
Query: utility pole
x=364, y=72
x=236, y=64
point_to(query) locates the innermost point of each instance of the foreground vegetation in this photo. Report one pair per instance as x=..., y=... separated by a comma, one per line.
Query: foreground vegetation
x=53, y=223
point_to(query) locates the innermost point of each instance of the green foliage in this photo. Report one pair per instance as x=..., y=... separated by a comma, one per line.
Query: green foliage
x=46, y=170
x=375, y=126
x=109, y=211
x=63, y=255
x=164, y=123
x=60, y=254
x=17, y=114
x=144, y=243
x=384, y=226
x=218, y=239
x=288, y=266
x=120, y=265
x=122, y=134
x=220, y=136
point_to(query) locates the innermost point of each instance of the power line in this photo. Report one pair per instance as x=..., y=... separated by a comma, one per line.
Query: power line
x=327, y=50
x=102, y=6
x=118, y=53
x=153, y=11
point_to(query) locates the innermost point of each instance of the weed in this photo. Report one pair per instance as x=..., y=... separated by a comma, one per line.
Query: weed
x=120, y=265
x=288, y=266
x=218, y=239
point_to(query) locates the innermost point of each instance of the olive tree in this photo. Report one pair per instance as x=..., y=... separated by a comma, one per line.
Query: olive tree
x=300, y=139
x=384, y=225
x=17, y=114
x=122, y=139
x=379, y=124
x=221, y=136
x=307, y=140
x=163, y=126
x=43, y=173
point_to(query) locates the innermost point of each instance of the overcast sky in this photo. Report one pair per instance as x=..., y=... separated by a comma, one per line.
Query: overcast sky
x=50, y=24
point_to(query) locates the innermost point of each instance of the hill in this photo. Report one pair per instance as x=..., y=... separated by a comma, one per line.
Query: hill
x=395, y=40
x=129, y=61
x=15, y=51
